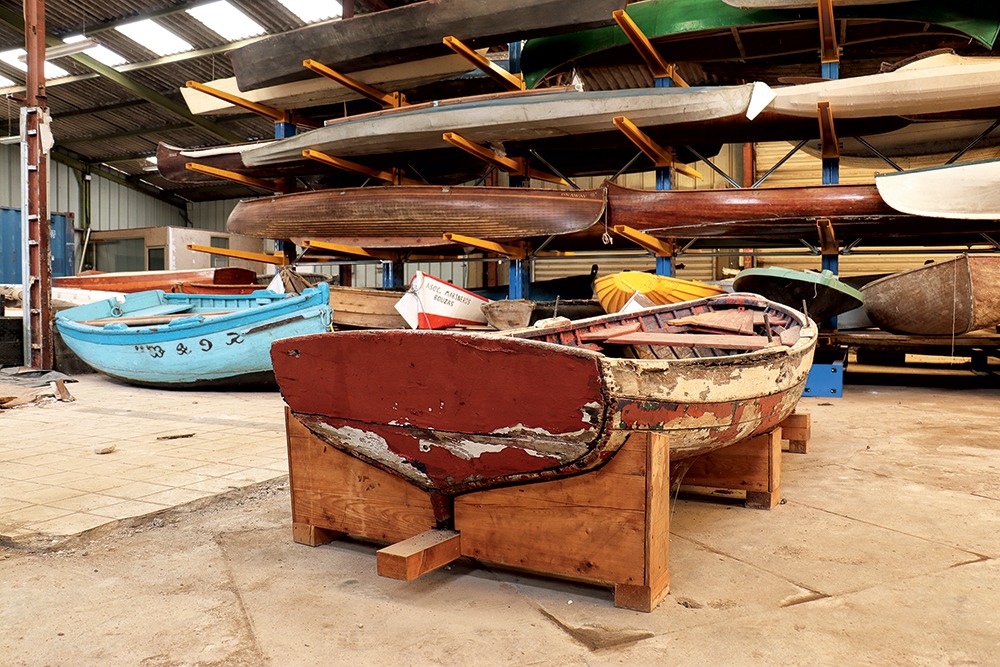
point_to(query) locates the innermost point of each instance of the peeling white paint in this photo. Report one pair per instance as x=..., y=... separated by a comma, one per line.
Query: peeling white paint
x=521, y=429
x=588, y=410
x=374, y=447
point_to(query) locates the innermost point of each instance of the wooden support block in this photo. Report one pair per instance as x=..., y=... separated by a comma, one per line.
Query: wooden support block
x=752, y=466
x=797, y=431
x=418, y=555
x=338, y=493
x=313, y=536
x=610, y=526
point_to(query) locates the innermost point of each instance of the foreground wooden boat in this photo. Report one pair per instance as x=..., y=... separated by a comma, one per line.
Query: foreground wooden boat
x=168, y=281
x=964, y=191
x=950, y=297
x=732, y=44
x=156, y=339
x=409, y=33
x=417, y=215
x=416, y=403
x=822, y=294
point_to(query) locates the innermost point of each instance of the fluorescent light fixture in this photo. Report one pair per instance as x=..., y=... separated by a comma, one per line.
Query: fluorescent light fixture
x=154, y=37
x=226, y=20
x=101, y=54
x=311, y=11
x=11, y=57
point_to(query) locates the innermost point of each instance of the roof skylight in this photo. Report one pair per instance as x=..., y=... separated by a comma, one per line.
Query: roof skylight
x=52, y=71
x=226, y=20
x=101, y=54
x=154, y=37
x=311, y=11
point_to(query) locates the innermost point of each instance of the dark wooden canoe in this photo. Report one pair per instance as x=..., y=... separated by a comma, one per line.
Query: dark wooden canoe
x=417, y=215
x=408, y=33
x=559, y=401
x=168, y=281
x=823, y=295
x=951, y=297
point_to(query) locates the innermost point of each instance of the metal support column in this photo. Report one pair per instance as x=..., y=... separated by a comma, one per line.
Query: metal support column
x=664, y=181
x=35, y=229
x=392, y=274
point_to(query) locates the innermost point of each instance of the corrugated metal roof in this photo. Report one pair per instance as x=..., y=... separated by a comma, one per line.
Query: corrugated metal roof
x=96, y=120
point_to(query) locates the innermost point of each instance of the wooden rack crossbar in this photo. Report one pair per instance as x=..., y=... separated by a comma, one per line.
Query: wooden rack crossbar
x=659, y=67
x=511, y=251
x=492, y=70
x=514, y=166
x=356, y=251
x=394, y=175
x=275, y=114
x=829, y=51
x=270, y=186
x=827, y=238
x=661, y=157
x=386, y=100
x=277, y=260
x=659, y=247
x=829, y=145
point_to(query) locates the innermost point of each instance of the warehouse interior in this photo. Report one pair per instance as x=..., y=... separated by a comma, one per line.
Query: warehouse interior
x=339, y=506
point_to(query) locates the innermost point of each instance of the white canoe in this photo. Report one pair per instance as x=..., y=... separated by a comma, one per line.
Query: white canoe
x=942, y=83
x=432, y=303
x=963, y=191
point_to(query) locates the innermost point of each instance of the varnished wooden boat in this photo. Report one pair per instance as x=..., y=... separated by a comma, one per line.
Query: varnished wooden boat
x=519, y=313
x=820, y=293
x=168, y=281
x=732, y=44
x=559, y=401
x=409, y=33
x=417, y=215
x=963, y=191
x=950, y=297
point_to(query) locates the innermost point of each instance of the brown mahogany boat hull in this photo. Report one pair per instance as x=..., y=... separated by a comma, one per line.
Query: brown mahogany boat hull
x=417, y=215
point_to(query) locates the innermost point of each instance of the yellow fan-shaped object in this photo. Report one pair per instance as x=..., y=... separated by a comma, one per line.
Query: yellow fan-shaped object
x=614, y=290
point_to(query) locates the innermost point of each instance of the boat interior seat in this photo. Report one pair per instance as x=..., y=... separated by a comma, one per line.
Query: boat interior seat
x=162, y=309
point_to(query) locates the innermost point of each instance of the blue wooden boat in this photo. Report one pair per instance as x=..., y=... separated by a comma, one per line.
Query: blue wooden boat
x=156, y=339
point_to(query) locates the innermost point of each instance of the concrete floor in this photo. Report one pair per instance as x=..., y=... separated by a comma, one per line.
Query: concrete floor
x=884, y=553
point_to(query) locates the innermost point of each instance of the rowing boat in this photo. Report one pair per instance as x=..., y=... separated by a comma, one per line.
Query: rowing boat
x=820, y=294
x=962, y=191
x=409, y=33
x=417, y=215
x=169, y=281
x=155, y=339
x=950, y=297
x=452, y=412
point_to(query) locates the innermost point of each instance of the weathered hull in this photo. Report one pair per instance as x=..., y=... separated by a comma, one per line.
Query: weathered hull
x=366, y=308
x=737, y=44
x=416, y=404
x=950, y=297
x=198, y=348
x=823, y=295
x=410, y=33
x=168, y=281
x=417, y=215
x=963, y=191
